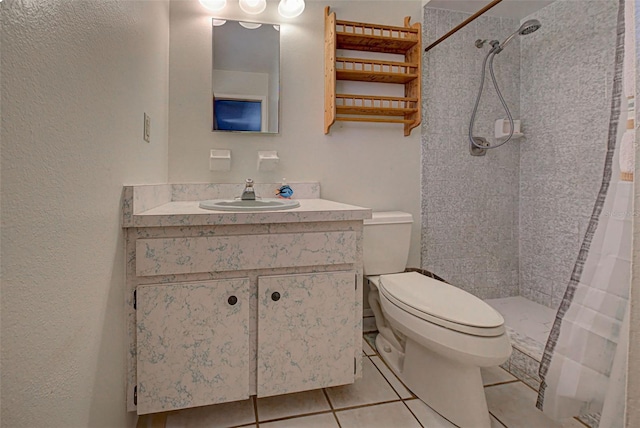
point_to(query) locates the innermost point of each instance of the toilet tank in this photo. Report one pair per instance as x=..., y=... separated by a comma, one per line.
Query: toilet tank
x=387, y=236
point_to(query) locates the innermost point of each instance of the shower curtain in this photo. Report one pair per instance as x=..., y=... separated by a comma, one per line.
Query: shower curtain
x=584, y=362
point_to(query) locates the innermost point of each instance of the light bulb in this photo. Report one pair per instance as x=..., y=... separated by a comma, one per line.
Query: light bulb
x=250, y=25
x=253, y=7
x=218, y=22
x=290, y=8
x=214, y=5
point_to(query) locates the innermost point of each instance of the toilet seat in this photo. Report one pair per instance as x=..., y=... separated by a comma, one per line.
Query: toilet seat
x=440, y=303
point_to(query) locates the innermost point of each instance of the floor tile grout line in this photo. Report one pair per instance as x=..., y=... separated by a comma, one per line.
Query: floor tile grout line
x=318, y=412
x=394, y=375
x=360, y=406
x=326, y=396
x=414, y=415
x=335, y=416
x=498, y=419
x=413, y=396
x=376, y=354
x=254, y=398
x=334, y=411
x=297, y=415
x=502, y=383
x=375, y=351
x=528, y=386
x=385, y=378
x=432, y=409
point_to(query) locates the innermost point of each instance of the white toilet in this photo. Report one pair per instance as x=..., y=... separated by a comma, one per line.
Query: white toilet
x=433, y=335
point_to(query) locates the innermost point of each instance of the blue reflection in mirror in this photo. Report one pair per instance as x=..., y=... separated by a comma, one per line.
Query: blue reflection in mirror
x=237, y=115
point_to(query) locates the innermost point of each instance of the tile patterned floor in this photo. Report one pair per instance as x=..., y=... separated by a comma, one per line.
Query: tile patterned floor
x=378, y=400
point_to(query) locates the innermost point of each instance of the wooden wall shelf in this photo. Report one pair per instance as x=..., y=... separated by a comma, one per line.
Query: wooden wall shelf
x=375, y=105
x=358, y=36
x=370, y=70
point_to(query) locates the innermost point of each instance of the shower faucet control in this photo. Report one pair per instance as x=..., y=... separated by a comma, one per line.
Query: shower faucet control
x=478, y=148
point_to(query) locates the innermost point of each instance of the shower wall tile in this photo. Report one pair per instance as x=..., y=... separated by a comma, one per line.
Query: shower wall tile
x=469, y=204
x=565, y=98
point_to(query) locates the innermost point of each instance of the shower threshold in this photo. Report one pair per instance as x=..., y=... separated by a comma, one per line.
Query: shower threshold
x=528, y=326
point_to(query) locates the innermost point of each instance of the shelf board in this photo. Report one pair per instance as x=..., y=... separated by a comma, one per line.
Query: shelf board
x=373, y=119
x=378, y=27
x=375, y=70
x=374, y=76
x=365, y=42
x=375, y=111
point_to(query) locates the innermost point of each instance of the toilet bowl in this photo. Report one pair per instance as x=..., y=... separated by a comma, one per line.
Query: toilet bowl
x=434, y=336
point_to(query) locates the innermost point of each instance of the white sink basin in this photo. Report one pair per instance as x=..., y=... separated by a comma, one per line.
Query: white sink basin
x=266, y=204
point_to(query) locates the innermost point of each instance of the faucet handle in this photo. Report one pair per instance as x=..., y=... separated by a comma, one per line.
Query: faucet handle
x=249, y=182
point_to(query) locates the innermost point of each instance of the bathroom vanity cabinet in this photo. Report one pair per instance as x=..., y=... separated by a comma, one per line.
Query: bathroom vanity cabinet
x=222, y=306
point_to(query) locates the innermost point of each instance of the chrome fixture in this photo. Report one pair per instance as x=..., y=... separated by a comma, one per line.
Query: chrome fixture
x=480, y=43
x=481, y=144
x=248, y=194
x=527, y=28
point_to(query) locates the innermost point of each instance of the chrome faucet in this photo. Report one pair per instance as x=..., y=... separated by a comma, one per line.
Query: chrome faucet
x=248, y=194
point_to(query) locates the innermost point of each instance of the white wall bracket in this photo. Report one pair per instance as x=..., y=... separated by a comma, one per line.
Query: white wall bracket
x=268, y=160
x=220, y=160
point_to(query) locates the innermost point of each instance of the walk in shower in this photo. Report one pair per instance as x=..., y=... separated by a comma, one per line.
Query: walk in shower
x=508, y=226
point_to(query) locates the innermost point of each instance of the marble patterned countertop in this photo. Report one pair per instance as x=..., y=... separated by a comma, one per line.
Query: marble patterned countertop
x=169, y=205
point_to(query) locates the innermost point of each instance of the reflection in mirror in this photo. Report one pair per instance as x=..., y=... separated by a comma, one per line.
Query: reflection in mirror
x=246, y=76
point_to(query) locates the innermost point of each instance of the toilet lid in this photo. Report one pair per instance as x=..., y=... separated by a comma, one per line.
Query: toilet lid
x=439, y=302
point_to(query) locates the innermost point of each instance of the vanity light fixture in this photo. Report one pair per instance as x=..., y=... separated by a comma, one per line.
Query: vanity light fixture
x=250, y=25
x=218, y=22
x=286, y=8
x=253, y=7
x=214, y=5
x=290, y=8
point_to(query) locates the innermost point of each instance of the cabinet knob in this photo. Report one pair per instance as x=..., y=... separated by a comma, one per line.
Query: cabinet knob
x=275, y=296
x=232, y=300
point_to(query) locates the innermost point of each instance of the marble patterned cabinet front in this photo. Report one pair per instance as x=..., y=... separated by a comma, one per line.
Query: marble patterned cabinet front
x=218, y=313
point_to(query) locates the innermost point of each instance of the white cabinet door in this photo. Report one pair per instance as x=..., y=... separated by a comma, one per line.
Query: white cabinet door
x=305, y=331
x=192, y=344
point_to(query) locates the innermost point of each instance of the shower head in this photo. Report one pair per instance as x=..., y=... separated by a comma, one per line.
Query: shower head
x=527, y=27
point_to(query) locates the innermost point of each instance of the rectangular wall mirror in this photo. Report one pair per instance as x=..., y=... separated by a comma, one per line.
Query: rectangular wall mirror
x=246, y=76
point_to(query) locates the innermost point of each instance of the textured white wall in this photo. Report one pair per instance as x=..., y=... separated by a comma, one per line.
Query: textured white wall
x=76, y=79
x=371, y=165
x=633, y=361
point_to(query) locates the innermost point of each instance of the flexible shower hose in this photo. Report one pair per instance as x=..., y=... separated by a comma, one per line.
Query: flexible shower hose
x=490, y=56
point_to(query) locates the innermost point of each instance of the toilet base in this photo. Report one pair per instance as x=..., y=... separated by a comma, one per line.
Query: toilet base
x=452, y=389
x=390, y=354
